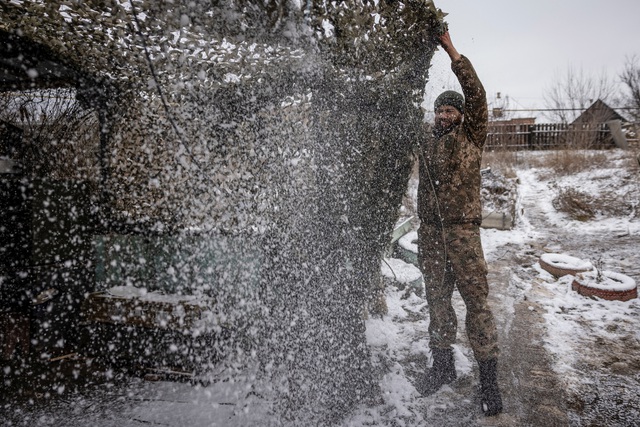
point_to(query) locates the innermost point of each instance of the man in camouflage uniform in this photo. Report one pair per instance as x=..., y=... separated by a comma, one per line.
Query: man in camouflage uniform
x=449, y=246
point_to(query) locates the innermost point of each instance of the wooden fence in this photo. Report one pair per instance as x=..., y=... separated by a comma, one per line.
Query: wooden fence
x=548, y=136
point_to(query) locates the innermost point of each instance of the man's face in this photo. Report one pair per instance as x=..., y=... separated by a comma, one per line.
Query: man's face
x=447, y=117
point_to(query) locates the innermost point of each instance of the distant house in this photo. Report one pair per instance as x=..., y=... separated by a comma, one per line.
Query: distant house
x=509, y=134
x=598, y=112
x=599, y=126
x=519, y=121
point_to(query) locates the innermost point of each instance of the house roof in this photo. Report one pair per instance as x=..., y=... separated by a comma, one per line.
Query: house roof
x=515, y=121
x=599, y=112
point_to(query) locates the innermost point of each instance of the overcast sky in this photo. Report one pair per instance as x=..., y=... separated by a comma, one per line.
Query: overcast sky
x=520, y=48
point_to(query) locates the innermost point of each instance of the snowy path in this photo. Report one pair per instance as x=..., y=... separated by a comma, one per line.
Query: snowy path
x=591, y=345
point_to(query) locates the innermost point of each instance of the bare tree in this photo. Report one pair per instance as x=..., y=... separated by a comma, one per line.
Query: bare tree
x=630, y=77
x=576, y=91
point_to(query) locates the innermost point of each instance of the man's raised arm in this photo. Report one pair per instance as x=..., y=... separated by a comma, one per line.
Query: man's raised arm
x=475, y=111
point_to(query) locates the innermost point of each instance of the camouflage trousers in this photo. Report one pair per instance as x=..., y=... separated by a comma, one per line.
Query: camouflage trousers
x=453, y=258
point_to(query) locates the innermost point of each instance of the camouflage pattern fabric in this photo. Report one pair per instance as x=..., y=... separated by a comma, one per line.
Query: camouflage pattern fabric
x=450, y=210
x=458, y=263
x=449, y=187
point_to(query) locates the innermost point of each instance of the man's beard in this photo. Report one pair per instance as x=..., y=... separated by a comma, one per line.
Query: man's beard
x=440, y=129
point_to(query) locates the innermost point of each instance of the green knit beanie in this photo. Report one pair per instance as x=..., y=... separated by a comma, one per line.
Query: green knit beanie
x=450, y=97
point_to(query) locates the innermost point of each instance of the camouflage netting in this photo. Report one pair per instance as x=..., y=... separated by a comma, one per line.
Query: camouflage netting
x=286, y=123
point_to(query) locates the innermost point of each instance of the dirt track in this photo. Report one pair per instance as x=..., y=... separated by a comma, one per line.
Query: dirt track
x=608, y=390
x=533, y=395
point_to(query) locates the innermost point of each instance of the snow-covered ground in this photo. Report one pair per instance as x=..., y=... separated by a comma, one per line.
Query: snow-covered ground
x=592, y=343
x=586, y=338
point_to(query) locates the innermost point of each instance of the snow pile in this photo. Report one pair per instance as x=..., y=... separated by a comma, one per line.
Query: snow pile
x=498, y=192
x=143, y=294
x=409, y=241
x=400, y=271
x=607, y=280
x=566, y=261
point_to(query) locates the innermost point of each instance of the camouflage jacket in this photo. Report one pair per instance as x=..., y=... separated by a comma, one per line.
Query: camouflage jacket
x=449, y=187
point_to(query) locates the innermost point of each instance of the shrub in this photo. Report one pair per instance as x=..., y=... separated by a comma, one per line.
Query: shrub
x=574, y=203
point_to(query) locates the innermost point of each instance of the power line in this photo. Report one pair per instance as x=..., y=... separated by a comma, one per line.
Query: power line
x=564, y=109
x=515, y=110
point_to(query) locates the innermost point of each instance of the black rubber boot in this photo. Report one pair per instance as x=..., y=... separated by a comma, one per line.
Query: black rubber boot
x=442, y=372
x=491, y=399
